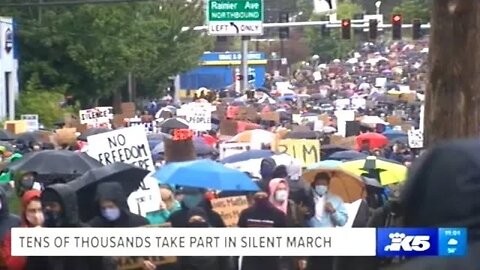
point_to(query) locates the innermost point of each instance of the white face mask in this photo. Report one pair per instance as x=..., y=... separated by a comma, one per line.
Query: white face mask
x=281, y=195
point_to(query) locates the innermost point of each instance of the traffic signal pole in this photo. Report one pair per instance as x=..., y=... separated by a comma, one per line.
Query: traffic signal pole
x=244, y=64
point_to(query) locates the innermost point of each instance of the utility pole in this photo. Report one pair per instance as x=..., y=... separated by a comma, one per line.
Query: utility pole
x=244, y=69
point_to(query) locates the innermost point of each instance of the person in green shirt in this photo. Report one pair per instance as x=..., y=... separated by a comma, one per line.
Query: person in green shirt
x=168, y=205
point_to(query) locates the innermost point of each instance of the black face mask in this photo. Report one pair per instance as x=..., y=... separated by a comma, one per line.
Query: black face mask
x=27, y=184
x=198, y=224
x=52, y=219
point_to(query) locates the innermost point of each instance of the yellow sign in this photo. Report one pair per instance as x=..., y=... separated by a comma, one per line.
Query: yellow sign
x=307, y=151
x=15, y=126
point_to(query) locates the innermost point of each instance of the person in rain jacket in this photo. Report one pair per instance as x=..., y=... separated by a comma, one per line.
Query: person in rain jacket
x=194, y=197
x=198, y=218
x=168, y=205
x=60, y=209
x=449, y=189
x=113, y=209
x=262, y=214
x=328, y=211
x=279, y=198
x=32, y=216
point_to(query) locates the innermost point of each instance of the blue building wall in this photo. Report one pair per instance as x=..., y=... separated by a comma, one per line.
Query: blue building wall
x=217, y=70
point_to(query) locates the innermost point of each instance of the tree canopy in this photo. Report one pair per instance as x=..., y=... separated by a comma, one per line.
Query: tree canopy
x=414, y=9
x=87, y=51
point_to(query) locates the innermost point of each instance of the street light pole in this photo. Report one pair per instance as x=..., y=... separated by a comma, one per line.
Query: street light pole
x=377, y=5
x=244, y=68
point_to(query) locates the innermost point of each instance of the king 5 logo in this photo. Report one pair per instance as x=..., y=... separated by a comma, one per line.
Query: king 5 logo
x=407, y=242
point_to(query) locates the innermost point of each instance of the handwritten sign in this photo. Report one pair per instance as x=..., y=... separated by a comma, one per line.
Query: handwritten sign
x=135, y=263
x=127, y=145
x=229, y=149
x=96, y=115
x=32, y=121
x=198, y=115
x=306, y=151
x=230, y=208
x=415, y=138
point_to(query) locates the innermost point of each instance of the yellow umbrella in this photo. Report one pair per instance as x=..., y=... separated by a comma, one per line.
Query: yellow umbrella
x=347, y=186
x=388, y=172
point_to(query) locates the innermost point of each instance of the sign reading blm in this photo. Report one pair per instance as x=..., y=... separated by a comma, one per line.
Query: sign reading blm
x=127, y=145
x=235, y=17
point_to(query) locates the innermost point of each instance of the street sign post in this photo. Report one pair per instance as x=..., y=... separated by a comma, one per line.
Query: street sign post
x=235, y=17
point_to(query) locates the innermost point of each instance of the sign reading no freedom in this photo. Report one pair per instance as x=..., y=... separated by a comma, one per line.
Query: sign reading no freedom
x=235, y=17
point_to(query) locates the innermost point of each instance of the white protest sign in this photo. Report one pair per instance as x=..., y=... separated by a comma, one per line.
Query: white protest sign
x=32, y=121
x=146, y=198
x=342, y=118
x=97, y=115
x=318, y=125
x=380, y=82
x=199, y=116
x=127, y=145
x=415, y=138
x=229, y=149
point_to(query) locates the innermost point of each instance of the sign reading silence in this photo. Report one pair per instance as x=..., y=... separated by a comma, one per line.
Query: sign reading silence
x=235, y=17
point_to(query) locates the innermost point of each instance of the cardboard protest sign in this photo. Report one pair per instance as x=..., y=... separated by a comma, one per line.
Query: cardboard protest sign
x=16, y=126
x=66, y=136
x=127, y=145
x=229, y=149
x=128, y=109
x=306, y=151
x=270, y=116
x=230, y=208
x=136, y=263
x=415, y=138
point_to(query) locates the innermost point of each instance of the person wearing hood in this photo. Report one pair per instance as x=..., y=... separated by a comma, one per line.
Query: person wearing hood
x=60, y=209
x=194, y=197
x=168, y=205
x=198, y=218
x=279, y=198
x=266, y=168
x=262, y=214
x=449, y=189
x=32, y=216
x=113, y=209
x=328, y=211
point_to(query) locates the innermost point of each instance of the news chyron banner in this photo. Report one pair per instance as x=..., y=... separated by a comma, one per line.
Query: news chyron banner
x=153, y=241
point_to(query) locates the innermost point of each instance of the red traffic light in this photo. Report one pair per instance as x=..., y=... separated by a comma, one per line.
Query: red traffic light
x=345, y=23
x=396, y=18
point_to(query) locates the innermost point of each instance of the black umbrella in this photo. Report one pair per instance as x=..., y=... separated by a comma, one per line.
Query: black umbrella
x=174, y=123
x=30, y=137
x=92, y=131
x=55, y=162
x=129, y=176
x=6, y=135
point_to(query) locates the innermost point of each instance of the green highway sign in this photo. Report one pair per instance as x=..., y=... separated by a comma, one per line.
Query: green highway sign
x=235, y=17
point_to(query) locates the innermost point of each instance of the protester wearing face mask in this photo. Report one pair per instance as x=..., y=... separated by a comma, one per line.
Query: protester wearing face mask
x=60, y=209
x=194, y=197
x=328, y=211
x=27, y=182
x=279, y=198
x=32, y=216
x=262, y=214
x=113, y=208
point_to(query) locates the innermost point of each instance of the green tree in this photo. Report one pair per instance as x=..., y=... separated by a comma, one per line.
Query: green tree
x=414, y=9
x=46, y=104
x=329, y=48
x=88, y=50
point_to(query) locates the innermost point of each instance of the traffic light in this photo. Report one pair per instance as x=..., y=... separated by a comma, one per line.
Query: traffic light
x=373, y=29
x=396, y=27
x=284, y=32
x=346, y=29
x=417, y=29
x=325, y=31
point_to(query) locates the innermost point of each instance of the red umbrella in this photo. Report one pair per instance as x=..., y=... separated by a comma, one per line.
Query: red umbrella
x=375, y=140
x=209, y=139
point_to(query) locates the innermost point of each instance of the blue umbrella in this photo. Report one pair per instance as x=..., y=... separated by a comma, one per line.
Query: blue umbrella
x=247, y=155
x=204, y=173
x=393, y=135
x=326, y=164
x=347, y=155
